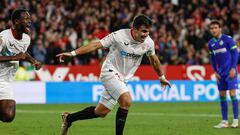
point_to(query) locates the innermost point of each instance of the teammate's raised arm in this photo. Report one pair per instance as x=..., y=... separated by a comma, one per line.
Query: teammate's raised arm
x=92, y=46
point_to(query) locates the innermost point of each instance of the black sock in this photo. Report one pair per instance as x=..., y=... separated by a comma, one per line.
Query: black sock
x=87, y=113
x=120, y=120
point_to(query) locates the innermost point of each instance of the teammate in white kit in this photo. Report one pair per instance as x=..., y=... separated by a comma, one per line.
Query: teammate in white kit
x=126, y=49
x=13, y=46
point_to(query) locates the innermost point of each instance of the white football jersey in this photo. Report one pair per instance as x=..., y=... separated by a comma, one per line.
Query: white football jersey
x=125, y=53
x=9, y=46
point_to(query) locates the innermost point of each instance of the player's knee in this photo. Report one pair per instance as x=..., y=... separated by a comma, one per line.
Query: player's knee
x=223, y=93
x=232, y=92
x=126, y=103
x=7, y=117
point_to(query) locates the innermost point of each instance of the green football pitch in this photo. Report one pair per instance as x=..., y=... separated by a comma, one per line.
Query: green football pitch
x=143, y=119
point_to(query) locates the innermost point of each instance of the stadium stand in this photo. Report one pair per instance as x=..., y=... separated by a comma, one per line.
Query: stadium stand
x=180, y=29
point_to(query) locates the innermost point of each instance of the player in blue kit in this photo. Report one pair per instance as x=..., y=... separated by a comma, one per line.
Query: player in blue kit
x=224, y=59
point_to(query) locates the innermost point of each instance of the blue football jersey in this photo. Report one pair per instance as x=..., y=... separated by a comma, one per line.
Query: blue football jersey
x=221, y=51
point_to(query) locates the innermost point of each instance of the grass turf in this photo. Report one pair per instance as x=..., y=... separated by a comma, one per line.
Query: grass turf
x=143, y=119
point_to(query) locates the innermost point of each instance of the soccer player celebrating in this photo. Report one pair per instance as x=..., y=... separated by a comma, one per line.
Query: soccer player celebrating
x=13, y=46
x=224, y=58
x=126, y=49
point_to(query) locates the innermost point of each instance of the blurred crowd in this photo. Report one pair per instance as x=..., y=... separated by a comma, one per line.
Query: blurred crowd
x=180, y=30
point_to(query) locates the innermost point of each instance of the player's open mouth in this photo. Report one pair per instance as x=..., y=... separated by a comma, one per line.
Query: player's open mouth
x=27, y=27
x=143, y=38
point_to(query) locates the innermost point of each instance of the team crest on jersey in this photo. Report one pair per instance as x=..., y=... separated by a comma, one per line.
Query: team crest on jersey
x=221, y=42
x=125, y=43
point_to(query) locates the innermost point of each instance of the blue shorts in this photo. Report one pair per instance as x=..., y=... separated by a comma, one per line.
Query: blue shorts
x=225, y=83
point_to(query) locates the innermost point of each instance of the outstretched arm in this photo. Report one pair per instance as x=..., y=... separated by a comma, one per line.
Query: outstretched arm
x=12, y=58
x=24, y=57
x=234, y=54
x=82, y=50
x=156, y=65
x=88, y=48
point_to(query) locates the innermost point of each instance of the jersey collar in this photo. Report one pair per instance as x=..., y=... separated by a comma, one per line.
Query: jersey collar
x=14, y=33
x=216, y=39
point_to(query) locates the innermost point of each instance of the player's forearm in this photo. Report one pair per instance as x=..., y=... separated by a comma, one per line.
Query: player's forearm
x=156, y=65
x=7, y=58
x=30, y=58
x=88, y=48
x=234, y=55
x=213, y=63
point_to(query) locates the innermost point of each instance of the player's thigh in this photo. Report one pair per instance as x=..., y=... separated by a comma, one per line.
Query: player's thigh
x=232, y=83
x=7, y=102
x=6, y=91
x=232, y=86
x=114, y=87
x=102, y=110
x=222, y=85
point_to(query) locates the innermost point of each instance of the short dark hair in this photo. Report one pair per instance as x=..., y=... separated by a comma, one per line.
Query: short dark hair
x=215, y=22
x=142, y=20
x=17, y=14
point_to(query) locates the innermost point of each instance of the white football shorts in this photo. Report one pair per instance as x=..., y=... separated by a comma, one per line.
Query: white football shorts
x=6, y=91
x=114, y=85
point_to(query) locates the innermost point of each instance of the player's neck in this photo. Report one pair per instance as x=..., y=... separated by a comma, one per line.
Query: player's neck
x=218, y=37
x=133, y=35
x=15, y=34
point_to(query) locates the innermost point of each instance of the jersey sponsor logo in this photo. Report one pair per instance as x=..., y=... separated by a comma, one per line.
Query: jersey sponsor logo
x=222, y=50
x=131, y=55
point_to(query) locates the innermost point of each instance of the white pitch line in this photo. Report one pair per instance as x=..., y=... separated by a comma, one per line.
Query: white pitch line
x=131, y=113
x=174, y=114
